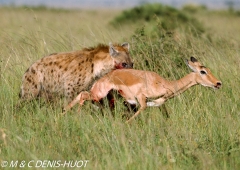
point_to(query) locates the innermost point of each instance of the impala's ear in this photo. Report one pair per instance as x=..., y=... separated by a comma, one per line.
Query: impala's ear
x=113, y=52
x=126, y=46
x=190, y=64
x=193, y=59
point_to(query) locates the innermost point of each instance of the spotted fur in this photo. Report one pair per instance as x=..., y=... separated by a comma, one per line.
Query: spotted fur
x=67, y=74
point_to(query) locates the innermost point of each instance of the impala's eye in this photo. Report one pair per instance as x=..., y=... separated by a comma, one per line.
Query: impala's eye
x=124, y=64
x=203, y=72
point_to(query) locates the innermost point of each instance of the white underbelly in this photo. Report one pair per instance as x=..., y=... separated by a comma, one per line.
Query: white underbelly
x=132, y=102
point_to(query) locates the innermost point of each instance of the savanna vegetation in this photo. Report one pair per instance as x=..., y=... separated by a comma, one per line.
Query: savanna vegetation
x=203, y=130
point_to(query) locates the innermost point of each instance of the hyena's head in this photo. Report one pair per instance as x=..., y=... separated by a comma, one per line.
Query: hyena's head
x=120, y=55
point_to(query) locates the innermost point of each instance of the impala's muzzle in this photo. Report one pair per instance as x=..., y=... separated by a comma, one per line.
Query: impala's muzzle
x=218, y=85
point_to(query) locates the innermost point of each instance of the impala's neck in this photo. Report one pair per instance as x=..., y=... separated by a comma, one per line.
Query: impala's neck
x=179, y=86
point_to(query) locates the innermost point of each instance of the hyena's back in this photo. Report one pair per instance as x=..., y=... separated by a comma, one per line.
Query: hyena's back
x=67, y=74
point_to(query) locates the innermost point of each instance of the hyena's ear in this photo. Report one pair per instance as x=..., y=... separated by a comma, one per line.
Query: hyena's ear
x=113, y=52
x=126, y=46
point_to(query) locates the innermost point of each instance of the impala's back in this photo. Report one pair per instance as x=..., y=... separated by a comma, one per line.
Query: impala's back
x=130, y=83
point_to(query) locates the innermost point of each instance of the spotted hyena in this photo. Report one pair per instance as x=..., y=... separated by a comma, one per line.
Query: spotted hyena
x=67, y=74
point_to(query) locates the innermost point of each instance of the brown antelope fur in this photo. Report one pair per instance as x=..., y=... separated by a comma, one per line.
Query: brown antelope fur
x=67, y=74
x=137, y=85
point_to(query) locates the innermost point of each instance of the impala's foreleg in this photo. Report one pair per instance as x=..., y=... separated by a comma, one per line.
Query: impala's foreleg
x=142, y=101
x=157, y=102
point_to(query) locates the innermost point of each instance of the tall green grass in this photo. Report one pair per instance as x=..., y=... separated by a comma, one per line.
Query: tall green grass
x=202, y=131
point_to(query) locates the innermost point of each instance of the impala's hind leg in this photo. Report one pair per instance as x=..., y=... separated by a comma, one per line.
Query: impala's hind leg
x=80, y=98
x=99, y=90
x=142, y=101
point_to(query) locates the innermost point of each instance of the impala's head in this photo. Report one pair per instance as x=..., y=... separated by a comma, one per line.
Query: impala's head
x=120, y=55
x=204, y=75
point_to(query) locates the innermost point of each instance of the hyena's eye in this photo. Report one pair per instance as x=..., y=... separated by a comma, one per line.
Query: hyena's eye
x=124, y=64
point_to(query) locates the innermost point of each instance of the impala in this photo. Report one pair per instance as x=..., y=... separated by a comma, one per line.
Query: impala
x=136, y=86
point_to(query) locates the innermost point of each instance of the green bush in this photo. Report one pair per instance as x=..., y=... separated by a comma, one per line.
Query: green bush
x=168, y=17
x=159, y=53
